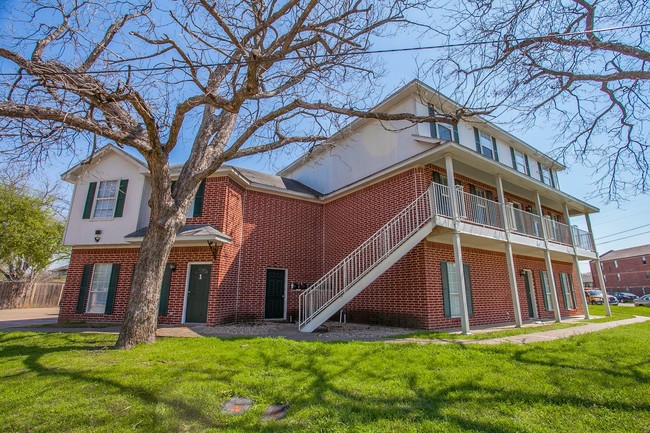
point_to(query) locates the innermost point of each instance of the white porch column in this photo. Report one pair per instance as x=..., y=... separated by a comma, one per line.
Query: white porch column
x=599, y=270
x=549, y=264
x=458, y=254
x=576, y=262
x=510, y=260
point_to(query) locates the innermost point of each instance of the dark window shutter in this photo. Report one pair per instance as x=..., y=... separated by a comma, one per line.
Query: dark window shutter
x=478, y=140
x=163, y=305
x=198, y=200
x=527, y=165
x=495, y=149
x=432, y=125
x=545, y=289
x=436, y=178
x=88, y=207
x=468, y=290
x=514, y=160
x=541, y=171
x=456, y=138
x=472, y=189
x=121, y=196
x=572, y=291
x=83, y=288
x=112, y=286
x=489, y=195
x=445, y=289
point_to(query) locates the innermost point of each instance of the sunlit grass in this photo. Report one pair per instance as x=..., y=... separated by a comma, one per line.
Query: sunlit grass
x=77, y=383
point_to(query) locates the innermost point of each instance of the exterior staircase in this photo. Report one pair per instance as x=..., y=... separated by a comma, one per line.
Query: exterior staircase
x=367, y=262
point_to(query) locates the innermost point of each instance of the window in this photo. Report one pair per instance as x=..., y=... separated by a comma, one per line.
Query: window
x=647, y=275
x=567, y=291
x=105, y=200
x=441, y=130
x=451, y=289
x=482, y=211
x=643, y=260
x=520, y=161
x=486, y=145
x=616, y=264
x=604, y=277
x=618, y=277
x=546, y=291
x=546, y=175
x=98, y=293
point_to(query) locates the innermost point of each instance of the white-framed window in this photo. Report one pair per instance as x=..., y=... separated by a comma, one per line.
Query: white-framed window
x=643, y=260
x=519, y=161
x=546, y=176
x=105, y=199
x=445, y=131
x=486, y=145
x=98, y=293
x=451, y=289
x=618, y=277
x=616, y=264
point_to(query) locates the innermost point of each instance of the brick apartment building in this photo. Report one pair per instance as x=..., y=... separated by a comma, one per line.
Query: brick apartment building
x=626, y=270
x=364, y=225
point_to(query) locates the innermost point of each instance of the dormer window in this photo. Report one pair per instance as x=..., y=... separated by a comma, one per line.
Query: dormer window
x=105, y=200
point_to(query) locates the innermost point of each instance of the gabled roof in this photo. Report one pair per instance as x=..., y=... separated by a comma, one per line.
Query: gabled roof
x=72, y=174
x=189, y=232
x=641, y=250
x=429, y=94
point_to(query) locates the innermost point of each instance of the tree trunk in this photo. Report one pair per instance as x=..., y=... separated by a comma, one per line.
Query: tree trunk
x=141, y=317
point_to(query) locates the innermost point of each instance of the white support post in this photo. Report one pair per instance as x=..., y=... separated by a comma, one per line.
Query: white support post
x=549, y=264
x=458, y=254
x=576, y=262
x=599, y=271
x=512, y=275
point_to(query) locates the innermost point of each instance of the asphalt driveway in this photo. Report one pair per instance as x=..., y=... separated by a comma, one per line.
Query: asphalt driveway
x=23, y=317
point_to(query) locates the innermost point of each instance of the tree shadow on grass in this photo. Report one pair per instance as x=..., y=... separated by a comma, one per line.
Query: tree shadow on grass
x=321, y=387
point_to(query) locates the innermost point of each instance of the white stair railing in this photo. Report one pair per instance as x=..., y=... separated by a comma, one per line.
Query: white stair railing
x=368, y=255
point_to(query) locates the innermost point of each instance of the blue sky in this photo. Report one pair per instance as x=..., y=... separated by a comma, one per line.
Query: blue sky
x=577, y=180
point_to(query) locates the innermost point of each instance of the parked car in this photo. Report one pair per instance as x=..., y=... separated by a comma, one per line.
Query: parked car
x=595, y=297
x=643, y=301
x=625, y=297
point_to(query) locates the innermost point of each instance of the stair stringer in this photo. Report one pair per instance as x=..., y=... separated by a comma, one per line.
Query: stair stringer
x=375, y=272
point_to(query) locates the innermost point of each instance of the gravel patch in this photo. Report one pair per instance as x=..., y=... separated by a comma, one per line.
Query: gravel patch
x=330, y=331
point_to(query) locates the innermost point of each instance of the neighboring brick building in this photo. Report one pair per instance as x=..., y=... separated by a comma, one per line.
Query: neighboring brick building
x=364, y=225
x=626, y=270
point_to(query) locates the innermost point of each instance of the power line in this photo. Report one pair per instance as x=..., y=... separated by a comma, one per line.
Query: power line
x=626, y=237
x=356, y=53
x=624, y=231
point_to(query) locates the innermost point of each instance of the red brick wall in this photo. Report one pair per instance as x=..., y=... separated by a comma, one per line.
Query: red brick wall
x=635, y=275
x=282, y=233
x=410, y=293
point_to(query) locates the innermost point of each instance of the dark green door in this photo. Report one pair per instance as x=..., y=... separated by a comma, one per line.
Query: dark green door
x=198, y=288
x=274, y=294
x=529, y=298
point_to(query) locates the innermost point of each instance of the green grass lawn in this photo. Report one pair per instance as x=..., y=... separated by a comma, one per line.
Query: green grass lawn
x=76, y=382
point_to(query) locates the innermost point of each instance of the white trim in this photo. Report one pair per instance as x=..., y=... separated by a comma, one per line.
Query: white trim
x=531, y=280
x=286, y=292
x=94, y=206
x=187, y=284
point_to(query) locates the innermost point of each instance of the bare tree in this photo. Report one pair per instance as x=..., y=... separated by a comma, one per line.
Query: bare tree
x=579, y=65
x=235, y=78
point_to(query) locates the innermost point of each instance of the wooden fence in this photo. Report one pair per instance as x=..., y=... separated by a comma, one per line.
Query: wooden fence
x=25, y=294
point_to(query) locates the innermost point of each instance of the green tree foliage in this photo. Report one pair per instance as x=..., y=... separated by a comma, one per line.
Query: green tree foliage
x=30, y=233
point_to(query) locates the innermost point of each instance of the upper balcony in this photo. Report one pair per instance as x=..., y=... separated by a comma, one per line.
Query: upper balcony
x=484, y=223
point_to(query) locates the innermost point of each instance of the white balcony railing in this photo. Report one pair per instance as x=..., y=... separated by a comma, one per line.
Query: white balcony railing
x=525, y=223
x=583, y=239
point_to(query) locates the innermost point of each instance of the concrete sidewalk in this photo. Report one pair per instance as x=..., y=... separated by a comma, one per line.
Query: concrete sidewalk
x=535, y=337
x=25, y=317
